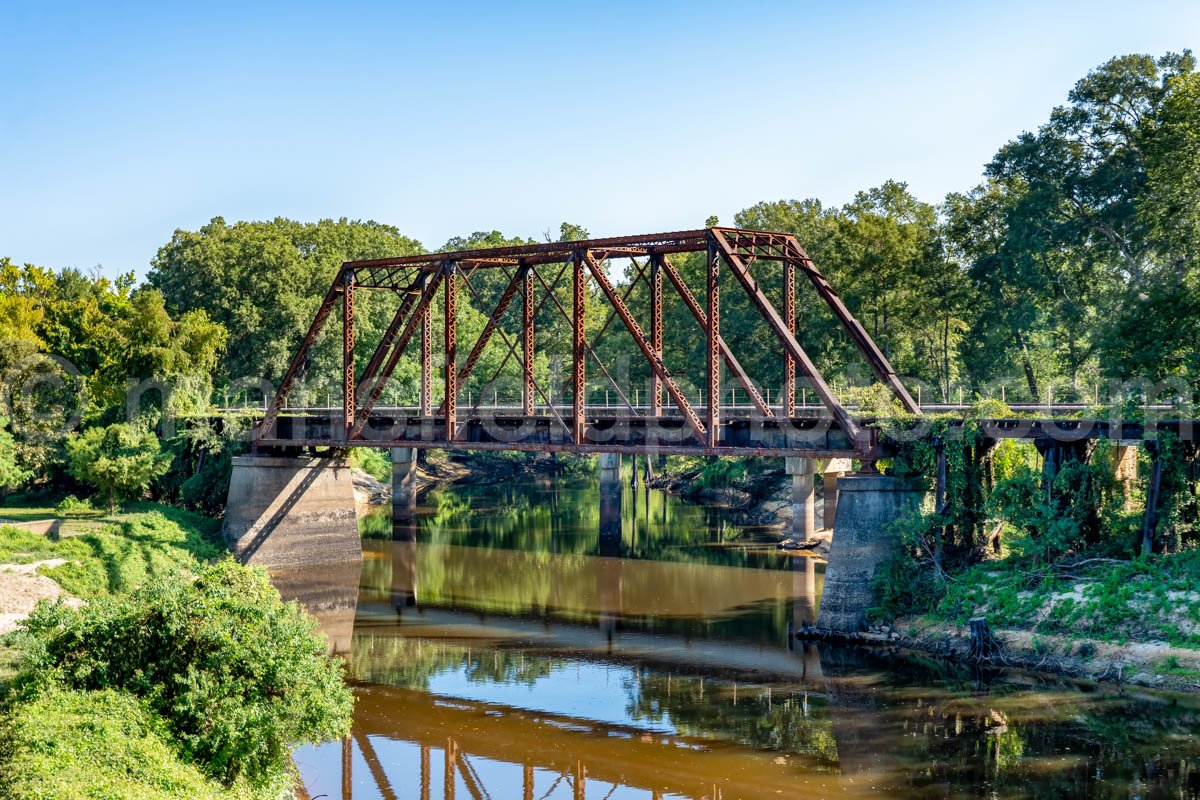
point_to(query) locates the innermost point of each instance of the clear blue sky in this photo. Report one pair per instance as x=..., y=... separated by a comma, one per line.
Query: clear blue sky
x=122, y=122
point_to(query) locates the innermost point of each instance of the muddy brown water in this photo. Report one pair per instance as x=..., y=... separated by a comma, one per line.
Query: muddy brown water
x=499, y=649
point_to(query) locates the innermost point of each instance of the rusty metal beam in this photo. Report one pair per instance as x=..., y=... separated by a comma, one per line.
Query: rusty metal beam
x=512, y=346
x=699, y=448
x=527, y=342
x=656, y=330
x=426, y=387
x=386, y=342
x=289, y=377
x=588, y=348
x=578, y=340
x=450, y=366
x=485, y=336
x=858, y=334
x=554, y=251
x=612, y=315
x=385, y=373
x=712, y=366
x=639, y=338
x=789, y=316
x=348, y=397
x=701, y=317
x=738, y=267
x=755, y=245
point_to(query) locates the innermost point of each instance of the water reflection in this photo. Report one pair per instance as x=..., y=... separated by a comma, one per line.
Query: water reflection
x=502, y=649
x=329, y=592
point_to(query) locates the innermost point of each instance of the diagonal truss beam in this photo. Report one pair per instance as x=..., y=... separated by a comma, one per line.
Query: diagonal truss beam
x=701, y=316
x=294, y=368
x=389, y=366
x=590, y=351
x=537, y=310
x=646, y=347
x=493, y=322
x=858, y=334
x=740, y=271
x=624, y=296
x=389, y=338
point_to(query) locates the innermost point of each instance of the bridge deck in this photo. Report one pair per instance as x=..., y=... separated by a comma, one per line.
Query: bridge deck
x=742, y=432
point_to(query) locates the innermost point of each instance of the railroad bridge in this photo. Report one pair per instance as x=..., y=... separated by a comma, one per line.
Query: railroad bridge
x=285, y=508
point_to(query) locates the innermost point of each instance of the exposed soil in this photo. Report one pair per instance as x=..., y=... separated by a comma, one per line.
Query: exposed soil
x=21, y=588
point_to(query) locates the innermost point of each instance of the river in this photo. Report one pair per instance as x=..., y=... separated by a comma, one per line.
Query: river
x=498, y=648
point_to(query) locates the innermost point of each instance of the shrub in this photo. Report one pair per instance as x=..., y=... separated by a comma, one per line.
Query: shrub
x=207, y=488
x=119, y=460
x=721, y=472
x=73, y=505
x=237, y=674
x=373, y=462
x=104, y=744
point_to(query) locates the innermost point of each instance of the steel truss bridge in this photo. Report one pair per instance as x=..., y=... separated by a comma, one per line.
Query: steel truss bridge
x=671, y=419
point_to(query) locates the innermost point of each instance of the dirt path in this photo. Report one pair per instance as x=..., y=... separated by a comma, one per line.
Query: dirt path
x=21, y=588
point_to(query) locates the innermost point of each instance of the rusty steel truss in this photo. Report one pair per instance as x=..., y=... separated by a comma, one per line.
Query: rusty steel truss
x=689, y=424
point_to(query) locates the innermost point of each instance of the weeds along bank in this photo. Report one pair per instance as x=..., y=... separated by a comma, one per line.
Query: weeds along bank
x=1057, y=552
x=182, y=674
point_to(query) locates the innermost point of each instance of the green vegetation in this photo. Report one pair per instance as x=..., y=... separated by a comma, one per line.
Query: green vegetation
x=103, y=744
x=1146, y=599
x=112, y=554
x=373, y=462
x=234, y=675
x=120, y=460
x=1053, y=544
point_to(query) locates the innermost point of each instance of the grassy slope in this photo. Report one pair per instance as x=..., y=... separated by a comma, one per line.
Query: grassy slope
x=113, y=553
x=101, y=744
x=117, y=749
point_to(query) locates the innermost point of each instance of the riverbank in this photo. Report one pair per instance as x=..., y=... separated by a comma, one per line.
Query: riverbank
x=78, y=719
x=1091, y=618
x=1154, y=664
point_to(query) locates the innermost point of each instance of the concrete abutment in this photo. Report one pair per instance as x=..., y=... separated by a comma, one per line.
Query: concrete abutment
x=291, y=512
x=863, y=539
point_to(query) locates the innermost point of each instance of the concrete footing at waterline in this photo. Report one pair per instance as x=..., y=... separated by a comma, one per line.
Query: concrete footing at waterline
x=610, y=498
x=404, y=482
x=803, y=472
x=863, y=539
x=290, y=512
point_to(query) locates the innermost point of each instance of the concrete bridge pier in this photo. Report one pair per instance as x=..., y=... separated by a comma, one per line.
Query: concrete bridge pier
x=863, y=540
x=610, y=498
x=404, y=482
x=804, y=496
x=1125, y=469
x=291, y=512
x=834, y=469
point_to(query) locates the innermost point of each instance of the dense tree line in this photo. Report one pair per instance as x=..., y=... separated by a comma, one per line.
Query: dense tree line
x=1071, y=264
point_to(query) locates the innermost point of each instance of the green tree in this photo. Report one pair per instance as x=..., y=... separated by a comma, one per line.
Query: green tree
x=1066, y=235
x=118, y=460
x=11, y=473
x=263, y=282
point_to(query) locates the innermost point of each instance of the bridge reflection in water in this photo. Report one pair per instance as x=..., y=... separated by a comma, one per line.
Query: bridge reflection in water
x=555, y=666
